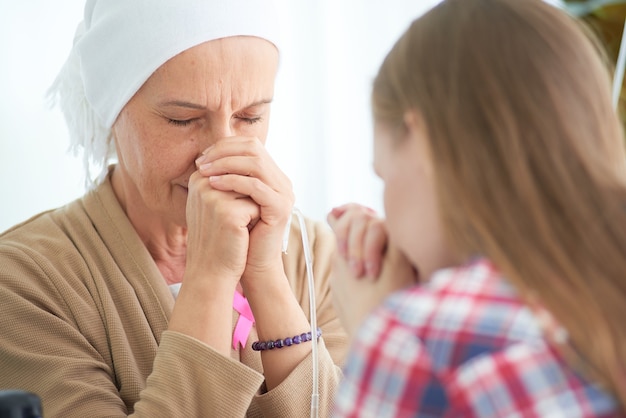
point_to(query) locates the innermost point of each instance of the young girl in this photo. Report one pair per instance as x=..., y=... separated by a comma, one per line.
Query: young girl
x=505, y=196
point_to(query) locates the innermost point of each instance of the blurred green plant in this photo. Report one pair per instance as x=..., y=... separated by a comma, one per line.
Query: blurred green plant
x=606, y=19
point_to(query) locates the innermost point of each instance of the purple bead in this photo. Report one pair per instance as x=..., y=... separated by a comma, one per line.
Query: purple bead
x=262, y=346
x=305, y=337
x=297, y=339
x=288, y=341
x=270, y=345
x=319, y=332
x=255, y=346
x=278, y=343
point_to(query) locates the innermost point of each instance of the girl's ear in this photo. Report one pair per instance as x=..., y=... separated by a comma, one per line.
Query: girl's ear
x=414, y=123
x=417, y=135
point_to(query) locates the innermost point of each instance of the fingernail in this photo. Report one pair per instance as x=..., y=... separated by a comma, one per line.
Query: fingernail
x=355, y=267
x=200, y=160
x=370, y=269
x=205, y=167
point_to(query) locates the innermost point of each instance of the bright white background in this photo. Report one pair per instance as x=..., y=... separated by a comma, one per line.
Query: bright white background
x=320, y=131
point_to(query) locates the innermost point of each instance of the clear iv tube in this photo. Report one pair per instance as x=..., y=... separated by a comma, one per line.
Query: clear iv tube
x=618, y=77
x=311, y=282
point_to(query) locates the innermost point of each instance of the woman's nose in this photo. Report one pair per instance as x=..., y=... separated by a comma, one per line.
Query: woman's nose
x=214, y=132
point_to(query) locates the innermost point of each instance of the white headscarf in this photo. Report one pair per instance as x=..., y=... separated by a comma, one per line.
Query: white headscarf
x=120, y=43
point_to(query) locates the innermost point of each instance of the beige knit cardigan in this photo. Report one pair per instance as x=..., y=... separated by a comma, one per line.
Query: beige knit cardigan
x=83, y=318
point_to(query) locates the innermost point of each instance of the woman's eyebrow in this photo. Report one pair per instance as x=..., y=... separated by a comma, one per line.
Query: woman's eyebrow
x=182, y=103
x=260, y=102
x=191, y=105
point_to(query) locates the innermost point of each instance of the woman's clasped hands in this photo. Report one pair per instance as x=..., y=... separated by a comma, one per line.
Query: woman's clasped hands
x=238, y=207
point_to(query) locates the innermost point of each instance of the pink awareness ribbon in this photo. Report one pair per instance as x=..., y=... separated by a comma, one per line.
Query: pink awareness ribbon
x=245, y=321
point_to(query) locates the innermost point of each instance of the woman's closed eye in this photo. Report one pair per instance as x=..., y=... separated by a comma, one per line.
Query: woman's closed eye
x=181, y=122
x=250, y=120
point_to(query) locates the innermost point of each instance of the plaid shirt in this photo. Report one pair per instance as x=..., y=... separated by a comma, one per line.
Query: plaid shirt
x=462, y=345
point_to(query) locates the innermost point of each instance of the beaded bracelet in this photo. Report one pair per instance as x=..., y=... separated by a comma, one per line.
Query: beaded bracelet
x=296, y=339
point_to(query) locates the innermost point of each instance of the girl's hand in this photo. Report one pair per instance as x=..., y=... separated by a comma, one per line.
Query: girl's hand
x=361, y=238
x=367, y=268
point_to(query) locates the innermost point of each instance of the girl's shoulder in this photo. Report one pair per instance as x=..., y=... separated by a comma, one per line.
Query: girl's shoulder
x=462, y=312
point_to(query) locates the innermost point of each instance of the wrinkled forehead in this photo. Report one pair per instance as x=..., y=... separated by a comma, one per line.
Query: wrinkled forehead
x=229, y=73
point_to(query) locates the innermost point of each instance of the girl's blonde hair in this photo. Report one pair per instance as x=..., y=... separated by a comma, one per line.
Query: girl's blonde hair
x=529, y=158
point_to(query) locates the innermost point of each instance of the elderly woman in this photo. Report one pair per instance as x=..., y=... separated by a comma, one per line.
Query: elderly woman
x=145, y=297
